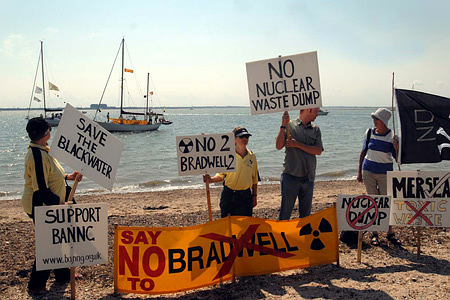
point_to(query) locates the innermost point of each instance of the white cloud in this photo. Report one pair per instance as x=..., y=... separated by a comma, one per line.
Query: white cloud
x=11, y=44
x=52, y=30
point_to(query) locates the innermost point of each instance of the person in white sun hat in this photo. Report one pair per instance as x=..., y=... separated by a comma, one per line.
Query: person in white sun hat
x=380, y=148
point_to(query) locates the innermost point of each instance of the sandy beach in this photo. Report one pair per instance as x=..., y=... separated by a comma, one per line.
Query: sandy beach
x=386, y=272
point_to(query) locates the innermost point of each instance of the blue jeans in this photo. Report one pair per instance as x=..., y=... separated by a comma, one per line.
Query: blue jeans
x=236, y=203
x=291, y=188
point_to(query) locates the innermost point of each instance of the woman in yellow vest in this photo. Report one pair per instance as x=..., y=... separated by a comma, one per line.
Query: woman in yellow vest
x=240, y=188
x=39, y=133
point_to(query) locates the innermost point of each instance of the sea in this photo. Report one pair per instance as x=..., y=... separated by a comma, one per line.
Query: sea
x=149, y=159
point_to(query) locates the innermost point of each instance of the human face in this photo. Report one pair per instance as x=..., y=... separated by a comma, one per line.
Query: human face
x=242, y=140
x=379, y=125
x=311, y=115
x=47, y=134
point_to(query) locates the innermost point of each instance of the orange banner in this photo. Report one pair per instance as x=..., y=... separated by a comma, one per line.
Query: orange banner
x=128, y=70
x=168, y=260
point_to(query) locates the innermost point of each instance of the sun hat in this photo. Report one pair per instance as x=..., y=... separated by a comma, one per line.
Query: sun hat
x=241, y=132
x=37, y=128
x=383, y=114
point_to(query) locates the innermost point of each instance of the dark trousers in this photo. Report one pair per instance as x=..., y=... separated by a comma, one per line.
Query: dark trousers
x=236, y=203
x=38, y=279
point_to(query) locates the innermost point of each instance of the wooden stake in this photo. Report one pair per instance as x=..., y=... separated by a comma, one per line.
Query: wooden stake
x=234, y=249
x=116, y=258
x=418, y=236
x=288, y=133
x=72, y=192
x=72, y=269
x=72, y=284
x=358, y=256
x=208, y=197
x=393, y=122
x=337, y=240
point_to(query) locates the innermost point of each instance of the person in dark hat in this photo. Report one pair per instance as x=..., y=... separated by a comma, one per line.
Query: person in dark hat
x=380, y=148
x=240, y=188
x=39, y=133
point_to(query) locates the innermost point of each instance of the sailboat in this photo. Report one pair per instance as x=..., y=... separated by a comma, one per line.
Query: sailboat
x=51, y=115
x=127, y=121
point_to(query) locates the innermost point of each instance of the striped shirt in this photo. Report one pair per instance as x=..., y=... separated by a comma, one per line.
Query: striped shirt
x=380, y=153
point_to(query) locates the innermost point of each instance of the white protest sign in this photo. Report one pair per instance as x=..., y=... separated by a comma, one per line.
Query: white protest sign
x=71, y=235
x=87, y=147
x=363, y=212
x=284, y=83
x=206, y=153
x=419, y=198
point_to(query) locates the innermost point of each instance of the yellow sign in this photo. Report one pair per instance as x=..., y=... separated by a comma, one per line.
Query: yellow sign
x=168, y=260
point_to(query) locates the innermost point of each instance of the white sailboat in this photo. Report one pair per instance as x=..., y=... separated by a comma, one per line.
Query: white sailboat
x=323, y=112
x=51, y=115
x=128, y=121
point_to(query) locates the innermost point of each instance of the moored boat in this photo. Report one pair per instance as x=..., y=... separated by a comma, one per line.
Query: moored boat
x=51, y=115
x=323, y=112
x=128, y=121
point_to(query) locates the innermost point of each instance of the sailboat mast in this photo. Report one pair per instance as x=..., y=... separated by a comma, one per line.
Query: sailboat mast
x=146, y=102
x=43, y=80
x=123, y=66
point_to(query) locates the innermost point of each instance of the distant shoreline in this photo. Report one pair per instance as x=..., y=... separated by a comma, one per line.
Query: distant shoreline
x=180, y=107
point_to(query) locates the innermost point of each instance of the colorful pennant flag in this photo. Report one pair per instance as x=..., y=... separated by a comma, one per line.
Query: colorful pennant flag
x=52, y=87
x=128, y=70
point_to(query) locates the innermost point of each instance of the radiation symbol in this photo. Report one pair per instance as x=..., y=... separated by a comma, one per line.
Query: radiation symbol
x=186, y=145
x=324, y=226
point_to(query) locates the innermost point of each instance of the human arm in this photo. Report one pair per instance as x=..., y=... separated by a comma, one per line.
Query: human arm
x=363, y=153
x=208, y=179
x=74, y=175
x=395, y=143
x=361, y=159
x=255, y=194
x=280, y=141
x=315, y=150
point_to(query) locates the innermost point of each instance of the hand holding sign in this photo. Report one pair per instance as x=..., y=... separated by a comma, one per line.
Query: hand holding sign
x=85, y=146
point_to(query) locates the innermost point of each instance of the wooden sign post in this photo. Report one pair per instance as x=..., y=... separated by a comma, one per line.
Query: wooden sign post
x=208, y=197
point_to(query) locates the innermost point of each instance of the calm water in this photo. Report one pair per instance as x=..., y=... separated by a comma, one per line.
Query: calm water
x=149, y=160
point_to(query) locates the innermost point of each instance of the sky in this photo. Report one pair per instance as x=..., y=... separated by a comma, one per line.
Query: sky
x=195, y=51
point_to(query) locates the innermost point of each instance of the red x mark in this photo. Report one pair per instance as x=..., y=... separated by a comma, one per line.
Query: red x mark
x=239, y=244
x=419, y=213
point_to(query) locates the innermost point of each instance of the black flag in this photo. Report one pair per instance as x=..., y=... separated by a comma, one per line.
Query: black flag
x=425, y=127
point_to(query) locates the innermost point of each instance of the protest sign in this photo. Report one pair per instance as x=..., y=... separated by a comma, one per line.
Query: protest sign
x=363, y=212
x=87, y=147
x=167, y=260
x=71, y=235
x=419, y=198
x=284, y=83
x=206, y=153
